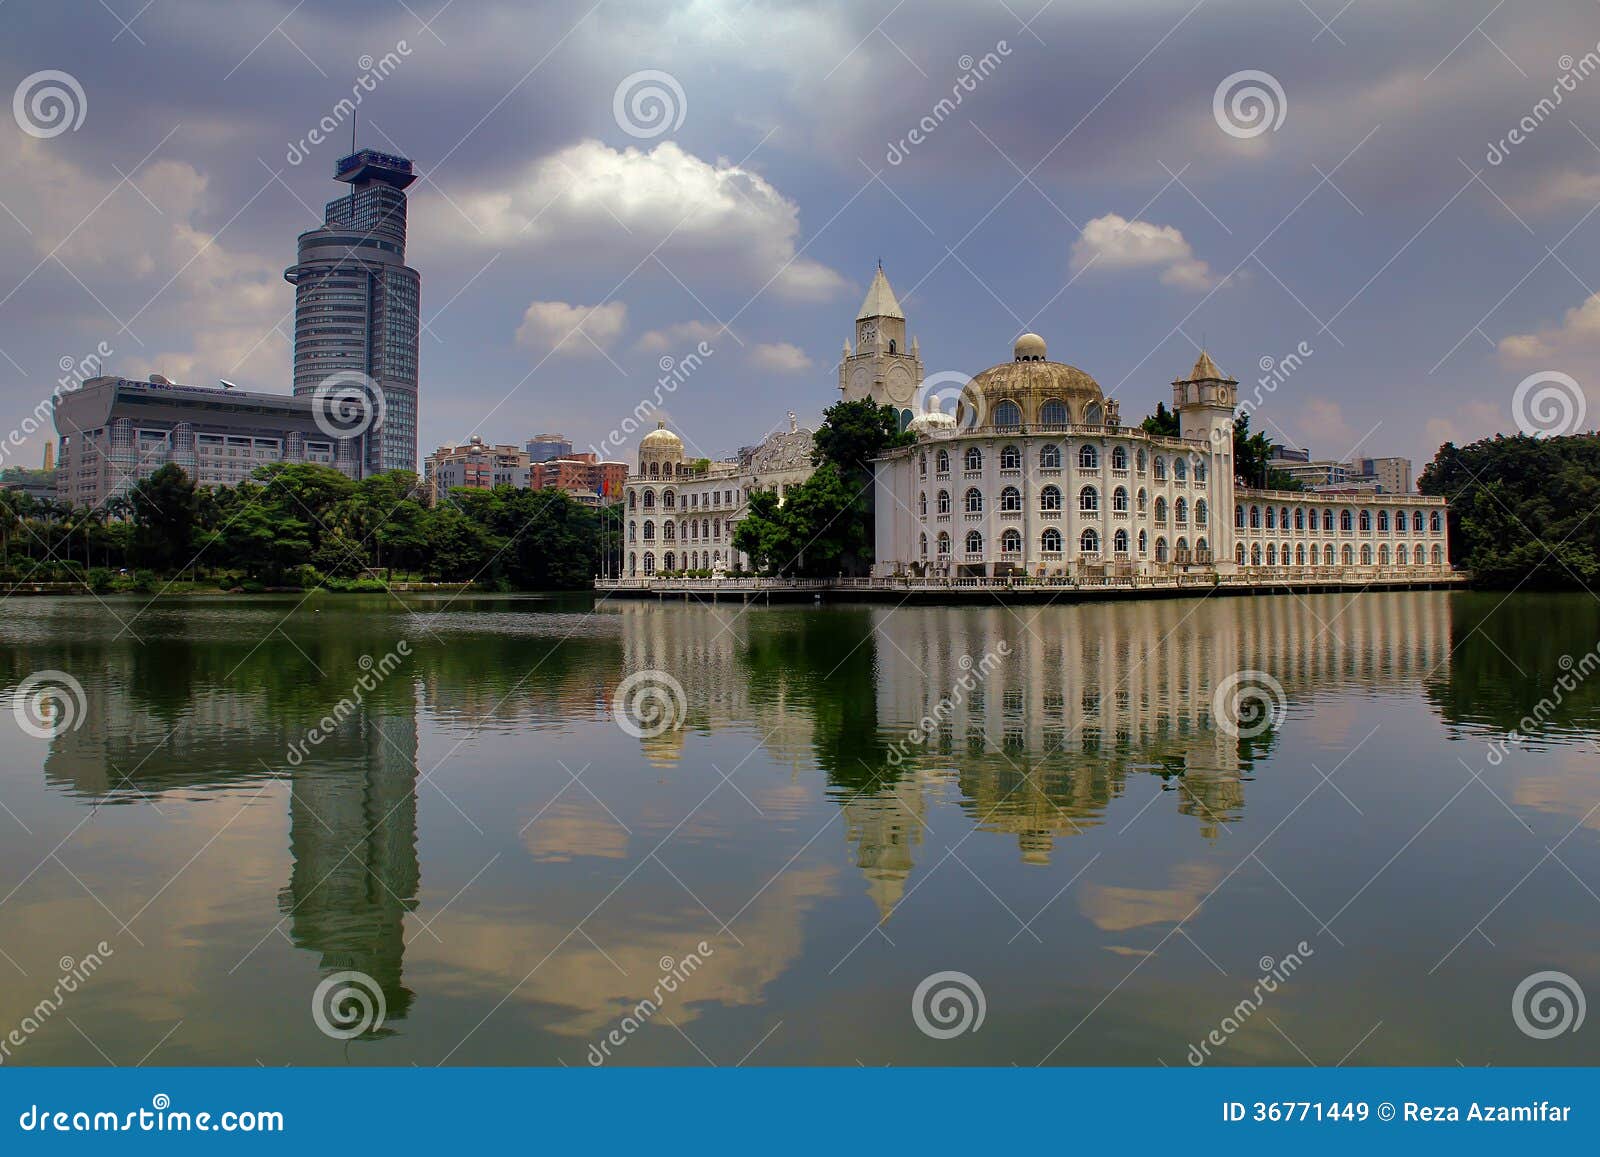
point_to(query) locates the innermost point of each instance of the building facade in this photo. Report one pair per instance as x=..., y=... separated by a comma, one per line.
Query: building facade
x=114, y=431
x=549, y=447
x=474, y=465
x=584, y=476
x=356, y=303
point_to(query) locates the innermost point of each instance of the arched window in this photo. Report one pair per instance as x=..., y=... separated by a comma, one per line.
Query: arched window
x=1366, y=522
x=1344, y=520
x=1180, y=511
x=973, y=459
x=1089, y=541
x=974, y=500
x=1238, y=553
x=1010, y=498
x=1435, y=523
x=1180, y=470
x=669, y=499
x=1255, y=554
x=1283, y=553
x=1088, y=500
x=1053, y=413
x=1327, y=555
x=1119, y=499
x=1401, y=555
x=1161, y=468
x=922, y=465
x=633, y=500
x=669, y=531
x=1438, y=555
x=1119, y=542
x=922, y=545
x=944, y=544
x=1088, y=458
x=1272, y=519
x=1050, y=457
x=1143, y=541
x=655, y=472
x=1008, y=413
x=1283, y=518
x=633, y=564
x=1255, y=518
x=1202, y=548
x=1416, y=522
x=1138, y=460
x=1161, y=510
x=1200, y=512
x=649, y=531
x=1199, y=469
x=1383, y=554
x=1011, y=541
x=1272, y=554
x=1094, y=414
x=974, y=542
x=943, y=502
x=1347, y=556
x=1238, y=517
x=942, y=464
x=1299, y=518
x=649, y=499
x=1300, y=555
x=1050, y=498
x=1011, y=458
x=922, y=504
x=669, y=561
x=1383, y=522
x=1119, y=458
x=1050, y=541
x=1327, y=520
x=1161, y=548
x=633, y=531
x=1143, y=499
x=649, y=563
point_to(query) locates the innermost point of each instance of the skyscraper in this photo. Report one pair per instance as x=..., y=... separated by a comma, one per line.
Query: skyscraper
x=356, y=303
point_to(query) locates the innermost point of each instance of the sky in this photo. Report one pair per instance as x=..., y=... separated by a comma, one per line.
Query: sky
x=1363, y=209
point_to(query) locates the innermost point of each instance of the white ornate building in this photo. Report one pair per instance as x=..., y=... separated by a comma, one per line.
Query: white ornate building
x=1035, y=475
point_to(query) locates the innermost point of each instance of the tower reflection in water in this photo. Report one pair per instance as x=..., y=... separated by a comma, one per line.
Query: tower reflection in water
x=1073, y=700
x=352, y=802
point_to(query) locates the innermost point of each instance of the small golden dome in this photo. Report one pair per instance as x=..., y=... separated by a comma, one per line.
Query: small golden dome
x=1029, y=348
x=661, y=438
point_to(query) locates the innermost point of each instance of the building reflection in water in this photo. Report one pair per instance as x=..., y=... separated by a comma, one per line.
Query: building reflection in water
x=1079, y=699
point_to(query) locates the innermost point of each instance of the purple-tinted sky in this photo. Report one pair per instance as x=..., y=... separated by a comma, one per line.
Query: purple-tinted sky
x=1085, y=186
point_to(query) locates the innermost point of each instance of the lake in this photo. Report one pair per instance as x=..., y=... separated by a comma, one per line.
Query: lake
x=1127, y=832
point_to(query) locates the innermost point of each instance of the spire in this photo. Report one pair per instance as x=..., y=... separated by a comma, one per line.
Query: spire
x=1206, y=370
x=880, y=301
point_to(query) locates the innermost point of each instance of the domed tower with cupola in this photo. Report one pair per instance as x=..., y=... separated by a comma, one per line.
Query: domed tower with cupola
x=1205, y=402
x=884, y=364
x=660, y=453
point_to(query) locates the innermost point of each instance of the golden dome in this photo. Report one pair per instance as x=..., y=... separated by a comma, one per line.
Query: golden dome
x=1044, y=393
x=661, y=438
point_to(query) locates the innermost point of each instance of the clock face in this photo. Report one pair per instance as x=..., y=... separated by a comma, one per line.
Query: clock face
x=869, y=332
x=899, y=385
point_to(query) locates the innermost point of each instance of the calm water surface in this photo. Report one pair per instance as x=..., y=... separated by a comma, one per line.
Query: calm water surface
x=1077, y=832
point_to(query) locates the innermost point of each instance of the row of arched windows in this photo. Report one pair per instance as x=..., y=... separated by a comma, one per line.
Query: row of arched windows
x=694, y=528
x=1276, y=518
x=1051, y=539
x=1052, y=413
x=1304, y=555
x=1050, y=499
x=669, y=499
x=691, y=560
x=1050, y=459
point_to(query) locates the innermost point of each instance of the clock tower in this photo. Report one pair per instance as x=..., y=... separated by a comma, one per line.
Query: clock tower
x=881, y=366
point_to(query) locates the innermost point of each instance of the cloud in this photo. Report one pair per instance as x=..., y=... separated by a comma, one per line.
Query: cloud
x=1113, y=242
x=1471, y=421
x=1578, y=333
x=780, y=357
x=621, y=208
x=676, y=337
x=572, y=329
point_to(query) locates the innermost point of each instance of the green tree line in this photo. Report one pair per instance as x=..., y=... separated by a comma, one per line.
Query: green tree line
x=306, y=525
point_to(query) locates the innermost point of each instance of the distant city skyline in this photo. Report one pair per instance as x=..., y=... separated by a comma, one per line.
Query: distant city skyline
x=1375, y=261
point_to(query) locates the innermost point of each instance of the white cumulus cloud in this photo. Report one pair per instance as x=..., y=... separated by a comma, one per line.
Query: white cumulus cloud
x=572, y=329
x=780, y=357
x=1113, y=242
x=1577, y=333
x=678, y=336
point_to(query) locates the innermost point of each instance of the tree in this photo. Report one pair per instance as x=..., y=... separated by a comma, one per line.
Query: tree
x=166, y=512
x=1163, y=423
